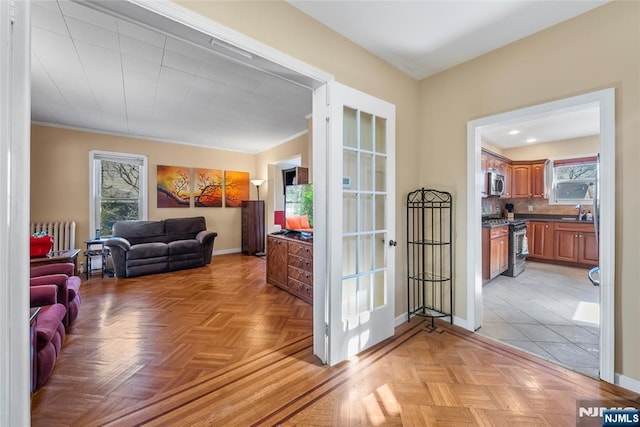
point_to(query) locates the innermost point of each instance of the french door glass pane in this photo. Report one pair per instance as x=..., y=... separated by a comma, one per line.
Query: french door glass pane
x=381, y=173
x=364, y=293
x=366, y=172
x=381, y=223
x=349, y=298
x=381, y=136
x=350, y=128
x=380, y=239
x=349, y=247
x=366, y=212
x=350, y=211
x=366, y=131
x=379, y=284
x=365, y=253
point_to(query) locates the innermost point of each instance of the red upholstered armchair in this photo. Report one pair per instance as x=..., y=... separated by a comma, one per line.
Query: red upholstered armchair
x=49, y=331
x=61, y=275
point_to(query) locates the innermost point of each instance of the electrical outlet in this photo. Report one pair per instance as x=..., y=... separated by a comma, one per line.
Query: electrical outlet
x=530, y=207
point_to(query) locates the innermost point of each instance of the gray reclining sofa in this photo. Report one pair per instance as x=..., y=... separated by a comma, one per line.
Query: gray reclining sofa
x=148, y=247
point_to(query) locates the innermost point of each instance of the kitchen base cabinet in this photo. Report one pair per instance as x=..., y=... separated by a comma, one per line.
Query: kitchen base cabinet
x=576, y=243
x=541, y=239
x=495, y=251
x=290, y=265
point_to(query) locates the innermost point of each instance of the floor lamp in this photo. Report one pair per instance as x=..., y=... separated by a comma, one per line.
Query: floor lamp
x=257, y=183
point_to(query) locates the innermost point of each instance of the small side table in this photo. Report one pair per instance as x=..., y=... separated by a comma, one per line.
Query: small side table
x=92, y=252
x=53, y=257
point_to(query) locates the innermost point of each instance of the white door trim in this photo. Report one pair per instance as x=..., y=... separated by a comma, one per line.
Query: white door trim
x=606, y=100
x=15, y=106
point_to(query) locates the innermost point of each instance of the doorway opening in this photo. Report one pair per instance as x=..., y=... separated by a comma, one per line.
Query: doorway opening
x=511, y=302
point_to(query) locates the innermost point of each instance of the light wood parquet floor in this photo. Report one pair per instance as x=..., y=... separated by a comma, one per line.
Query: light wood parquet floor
x=218, y=346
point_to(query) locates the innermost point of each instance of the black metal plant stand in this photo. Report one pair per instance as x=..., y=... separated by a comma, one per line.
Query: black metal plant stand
x=430, y=255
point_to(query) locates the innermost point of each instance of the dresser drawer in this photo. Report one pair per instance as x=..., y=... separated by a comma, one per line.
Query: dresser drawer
x=300, y=275
x=304, y=250
x=302, y=290
x=301, y=263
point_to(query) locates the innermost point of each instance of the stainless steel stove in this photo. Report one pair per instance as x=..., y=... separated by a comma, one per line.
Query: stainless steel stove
x=517, y=251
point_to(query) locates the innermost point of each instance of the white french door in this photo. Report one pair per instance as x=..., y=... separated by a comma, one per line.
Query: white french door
x=360, y=197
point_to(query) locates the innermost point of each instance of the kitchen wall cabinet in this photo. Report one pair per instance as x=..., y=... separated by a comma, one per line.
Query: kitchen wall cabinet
x=494, y=162
x=495, y=251
x=537, y=179
x=528, y=179
x=521, y=181
x=541, y=239
x=576, y=243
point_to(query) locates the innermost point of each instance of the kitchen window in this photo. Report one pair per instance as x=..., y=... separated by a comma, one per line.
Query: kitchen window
x=574, y=180
x=118, y=189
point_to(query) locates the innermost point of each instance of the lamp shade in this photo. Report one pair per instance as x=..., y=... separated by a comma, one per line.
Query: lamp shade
x=257, y=182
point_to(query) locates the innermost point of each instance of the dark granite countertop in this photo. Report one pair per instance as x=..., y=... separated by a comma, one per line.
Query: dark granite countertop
x=554, y=218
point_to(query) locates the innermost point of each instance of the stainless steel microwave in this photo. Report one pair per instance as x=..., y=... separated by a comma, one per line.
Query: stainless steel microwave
x=495, y=184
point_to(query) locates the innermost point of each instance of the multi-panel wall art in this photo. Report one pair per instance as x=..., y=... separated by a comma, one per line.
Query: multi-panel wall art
x=209, y=187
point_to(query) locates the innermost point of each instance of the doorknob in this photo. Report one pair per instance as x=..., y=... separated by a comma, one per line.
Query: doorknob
x=392, y=243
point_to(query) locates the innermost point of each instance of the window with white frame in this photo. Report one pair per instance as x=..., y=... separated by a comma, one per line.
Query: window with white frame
x=574, y=180
x=118, y=189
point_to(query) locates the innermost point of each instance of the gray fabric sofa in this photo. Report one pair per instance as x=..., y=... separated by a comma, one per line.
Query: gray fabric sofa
x=148, y=247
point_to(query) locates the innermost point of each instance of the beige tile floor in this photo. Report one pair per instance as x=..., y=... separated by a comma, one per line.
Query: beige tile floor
x=548, y=310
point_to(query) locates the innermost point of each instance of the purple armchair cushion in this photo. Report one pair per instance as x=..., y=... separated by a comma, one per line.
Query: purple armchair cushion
x=48, y=324
x=73, y=285
x=43, y=295
x=66, y=268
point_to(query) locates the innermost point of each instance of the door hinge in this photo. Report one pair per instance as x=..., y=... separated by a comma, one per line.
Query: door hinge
x=326, y=329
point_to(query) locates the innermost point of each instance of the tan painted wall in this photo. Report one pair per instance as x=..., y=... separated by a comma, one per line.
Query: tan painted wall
x=556, y=149
x=597, y=50
x=281, y=26
x=60, y=178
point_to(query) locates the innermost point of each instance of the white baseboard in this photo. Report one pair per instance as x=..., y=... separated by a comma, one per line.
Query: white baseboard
x=628, y=383
x=227, y=251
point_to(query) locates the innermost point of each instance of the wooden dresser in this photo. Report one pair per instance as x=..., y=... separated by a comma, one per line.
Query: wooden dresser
x=253, y=227
x=290, y=265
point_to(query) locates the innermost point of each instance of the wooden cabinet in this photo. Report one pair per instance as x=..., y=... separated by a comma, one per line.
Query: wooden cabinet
x=277, y=252
x=290, y=265
x=576, y=243
x=541, y=239
x=528, y=178
x=494, y=162
x=537, y=179
x=521, y=186
x=508, y=181
x=495, y=251
x=253, y=227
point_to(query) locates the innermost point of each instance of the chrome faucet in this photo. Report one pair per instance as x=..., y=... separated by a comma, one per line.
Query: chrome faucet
x=579, y=207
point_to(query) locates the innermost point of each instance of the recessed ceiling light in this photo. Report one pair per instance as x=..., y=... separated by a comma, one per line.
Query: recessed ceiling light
x=531, y=140
x=514, y=132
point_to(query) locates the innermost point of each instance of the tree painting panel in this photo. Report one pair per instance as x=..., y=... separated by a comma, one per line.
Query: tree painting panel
x=174, y=187
x=208, y=188
x=236, y=188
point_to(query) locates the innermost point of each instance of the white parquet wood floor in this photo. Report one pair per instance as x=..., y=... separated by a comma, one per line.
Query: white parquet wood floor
x=218, y=346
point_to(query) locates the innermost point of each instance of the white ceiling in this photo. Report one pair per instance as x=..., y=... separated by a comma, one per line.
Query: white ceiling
x=425, y=37
x=553, y=126
x=94, y=71
x=97, y=71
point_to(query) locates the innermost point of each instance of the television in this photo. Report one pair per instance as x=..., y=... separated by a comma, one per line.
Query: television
x=298, y=207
